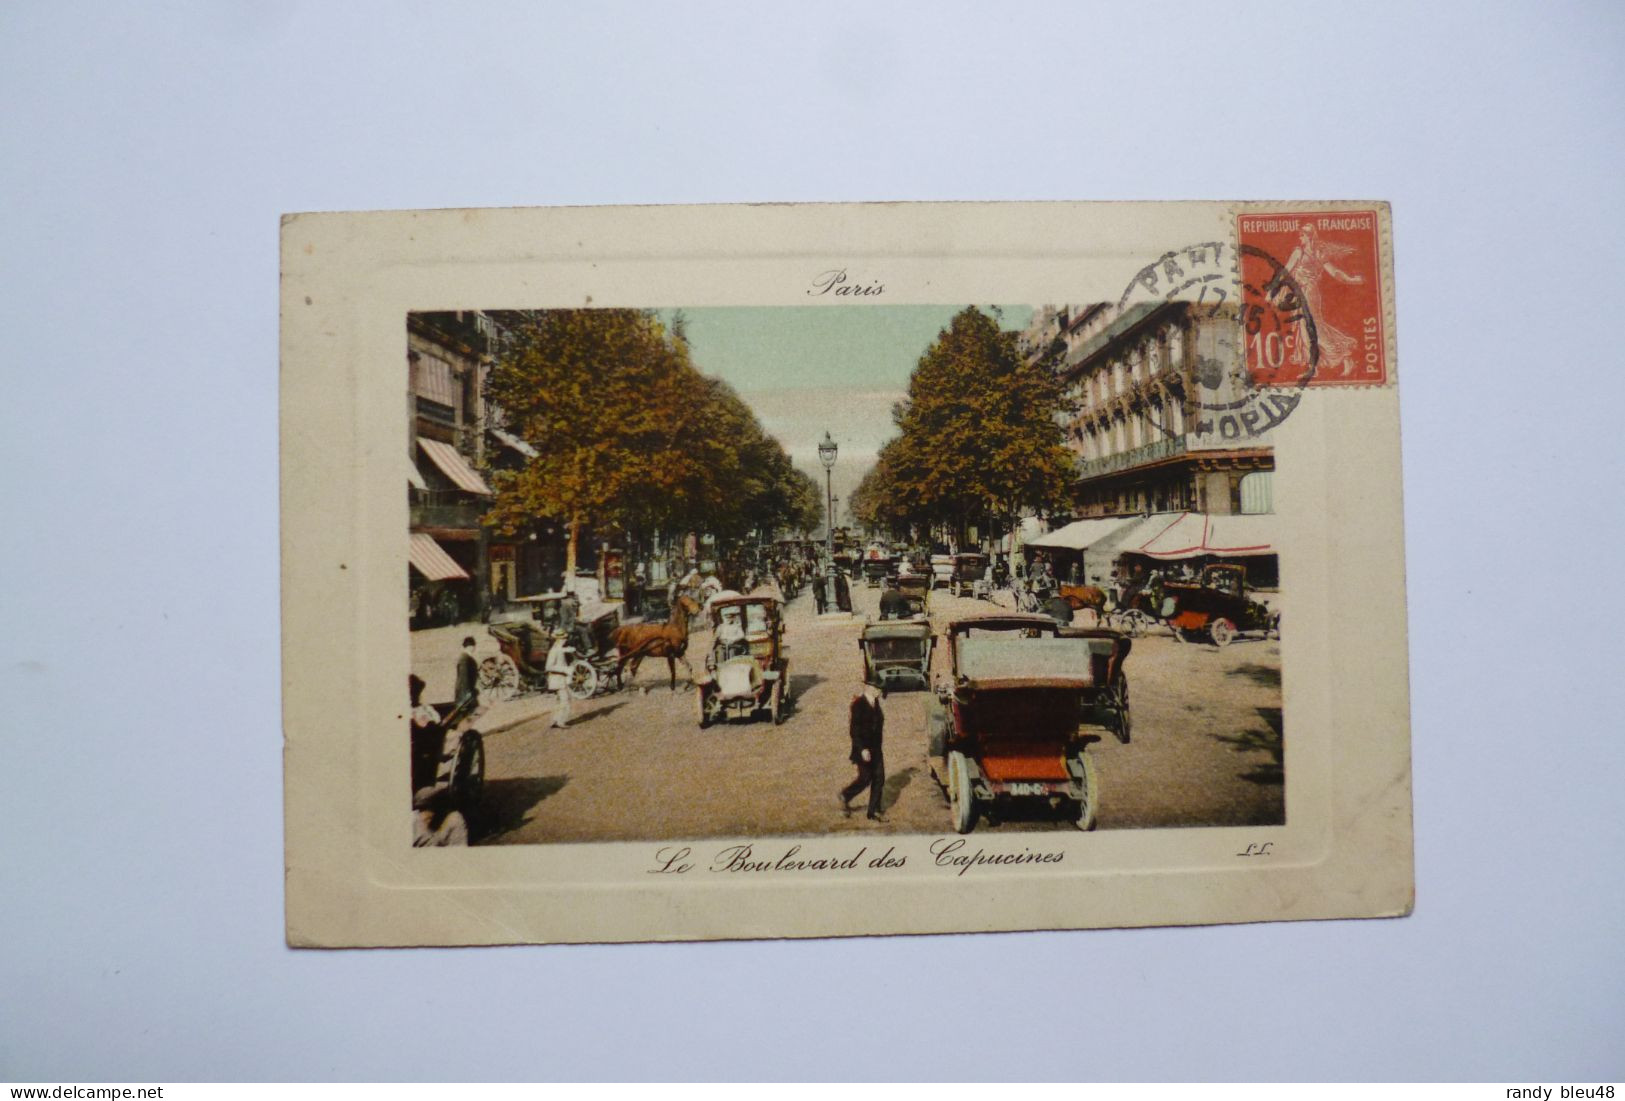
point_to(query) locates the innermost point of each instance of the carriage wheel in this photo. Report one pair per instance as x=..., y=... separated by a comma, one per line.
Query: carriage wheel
x=704, y=711
x=499, y=678
x=778, y=701
x=1119, y=705
x=468, y=773
x=583, y=680
x=1221, y=631
x=1133, y=622
x=1089, y=802
x=960, y=796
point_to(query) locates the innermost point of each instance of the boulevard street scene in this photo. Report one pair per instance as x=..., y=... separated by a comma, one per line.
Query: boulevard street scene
x=745, y=572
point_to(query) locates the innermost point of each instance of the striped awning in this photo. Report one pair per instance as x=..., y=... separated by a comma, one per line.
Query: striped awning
x=414, y=476
x=454, y=466
x=1195, y=535
x=1082, y=534
x=431, y=560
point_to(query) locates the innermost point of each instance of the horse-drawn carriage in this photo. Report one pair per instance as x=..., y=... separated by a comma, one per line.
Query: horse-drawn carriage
x=789, y=575
x=1014, y=718
x=525, y=637
x=746, y=670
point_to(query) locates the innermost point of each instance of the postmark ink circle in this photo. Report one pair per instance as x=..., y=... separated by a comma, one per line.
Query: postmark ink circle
x=1249, y=374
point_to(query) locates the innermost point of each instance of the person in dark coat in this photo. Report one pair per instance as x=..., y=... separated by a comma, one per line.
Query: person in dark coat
x=893, y=605
x=866, y=728
x=468, y=673
x=1058, y=609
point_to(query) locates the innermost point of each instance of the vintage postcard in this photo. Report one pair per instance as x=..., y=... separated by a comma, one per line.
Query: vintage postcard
x=785, y=571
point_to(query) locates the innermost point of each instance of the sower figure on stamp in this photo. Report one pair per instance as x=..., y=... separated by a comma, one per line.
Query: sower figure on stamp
x=868, y=725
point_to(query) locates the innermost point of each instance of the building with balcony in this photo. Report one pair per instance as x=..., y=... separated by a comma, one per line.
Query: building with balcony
x=1140, y=442
x=459, y=566
x=450, y=552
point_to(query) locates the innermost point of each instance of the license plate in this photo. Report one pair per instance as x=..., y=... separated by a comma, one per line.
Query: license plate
x=1024, y=788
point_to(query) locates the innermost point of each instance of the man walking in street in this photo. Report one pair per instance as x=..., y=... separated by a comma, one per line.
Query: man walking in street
x=468, y=674
x=868, y=725
x=558, y=680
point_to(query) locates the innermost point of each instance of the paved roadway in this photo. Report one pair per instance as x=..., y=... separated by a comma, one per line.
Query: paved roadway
x=635, y=765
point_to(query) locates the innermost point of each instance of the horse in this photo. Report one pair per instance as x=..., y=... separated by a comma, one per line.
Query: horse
x=668, y=640
x=1085, y=596
x=789, y=577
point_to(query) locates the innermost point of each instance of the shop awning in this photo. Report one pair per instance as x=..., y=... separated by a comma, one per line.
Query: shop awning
x=1195, y=534
x=414, y=476
x=508, y=439
x=1083, y=533
x=454, y=466
x=431, y=560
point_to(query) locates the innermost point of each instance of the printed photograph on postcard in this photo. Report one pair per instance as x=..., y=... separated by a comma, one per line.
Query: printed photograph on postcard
x=738, y=572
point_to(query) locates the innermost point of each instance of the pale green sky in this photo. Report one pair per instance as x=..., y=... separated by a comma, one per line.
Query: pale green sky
x=817, y=347
x=807, y=369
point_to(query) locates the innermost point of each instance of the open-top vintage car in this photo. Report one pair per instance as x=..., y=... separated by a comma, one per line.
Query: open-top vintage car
x=524, y=637
x=897, y=653
x=1021, y=702
x=746, y=670
x=1218, y=605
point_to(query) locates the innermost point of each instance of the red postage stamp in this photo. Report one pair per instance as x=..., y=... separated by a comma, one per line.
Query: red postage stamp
x=1321, y=272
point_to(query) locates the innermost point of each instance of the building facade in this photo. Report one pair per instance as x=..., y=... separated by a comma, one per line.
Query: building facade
x=451, y=553
x=1139, y=439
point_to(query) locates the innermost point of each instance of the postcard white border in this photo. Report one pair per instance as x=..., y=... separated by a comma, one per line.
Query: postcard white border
x=352, y=877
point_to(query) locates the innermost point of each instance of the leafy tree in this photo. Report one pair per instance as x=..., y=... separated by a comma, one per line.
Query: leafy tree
x=629, y=433
x=805, y=502
x=980, y=438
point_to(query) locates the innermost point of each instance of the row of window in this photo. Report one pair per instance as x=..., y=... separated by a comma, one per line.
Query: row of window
x=1135, y=430
x=1254, y=495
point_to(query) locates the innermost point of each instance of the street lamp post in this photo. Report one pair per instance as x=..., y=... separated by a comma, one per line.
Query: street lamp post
x=826, y=455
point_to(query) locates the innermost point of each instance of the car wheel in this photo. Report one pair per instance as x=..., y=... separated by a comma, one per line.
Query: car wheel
x=1089, y=801
x=960, y=795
